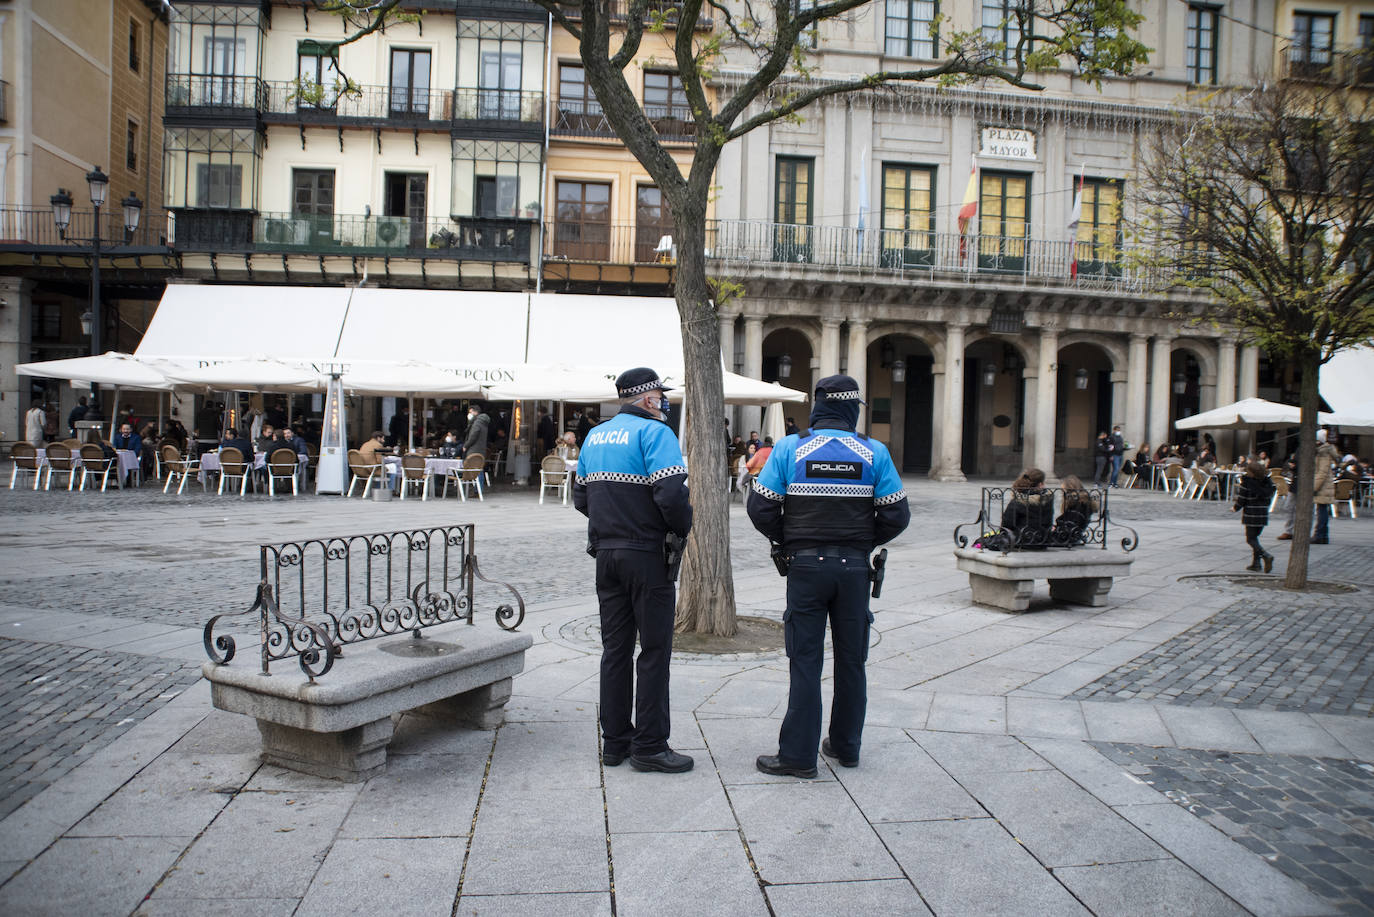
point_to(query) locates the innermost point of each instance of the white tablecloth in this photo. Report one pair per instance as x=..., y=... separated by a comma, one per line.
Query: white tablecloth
x=209, y=461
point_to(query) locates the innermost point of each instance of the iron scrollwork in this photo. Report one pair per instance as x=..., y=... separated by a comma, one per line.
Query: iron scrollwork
x=318, y=595
x=1012, y=520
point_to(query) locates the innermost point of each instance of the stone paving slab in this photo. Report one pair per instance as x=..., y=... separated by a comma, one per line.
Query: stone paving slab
x=91, y=875
x=651, y=869
x=1152, y=887
x=563, y=850
x=399, y=877
x=884, y=896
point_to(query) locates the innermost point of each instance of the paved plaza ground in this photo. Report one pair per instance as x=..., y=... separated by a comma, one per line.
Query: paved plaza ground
x=1204, y=745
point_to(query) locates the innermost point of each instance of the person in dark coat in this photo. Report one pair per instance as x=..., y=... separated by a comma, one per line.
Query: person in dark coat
x=1071, y=528
x=1252, y=502
x=1029, y=515
x=1102, y=457
x=479, y=424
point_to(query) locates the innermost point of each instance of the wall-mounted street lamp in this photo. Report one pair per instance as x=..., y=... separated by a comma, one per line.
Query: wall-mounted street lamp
x=784, y=367
x=1080, y=379
x=990, y=375
x=1180, y=384
x=898, y=371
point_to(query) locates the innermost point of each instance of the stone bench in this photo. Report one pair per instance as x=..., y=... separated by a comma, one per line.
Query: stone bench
x=394, y=610
x=1077, y=576
x=339, y=727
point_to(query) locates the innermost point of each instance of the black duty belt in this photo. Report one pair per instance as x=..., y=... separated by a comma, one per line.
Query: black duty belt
x=831, y=550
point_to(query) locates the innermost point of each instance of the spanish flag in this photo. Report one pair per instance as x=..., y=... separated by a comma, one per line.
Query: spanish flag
x=969, y=209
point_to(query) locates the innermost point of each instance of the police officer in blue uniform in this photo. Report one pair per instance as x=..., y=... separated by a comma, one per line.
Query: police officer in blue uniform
x=632, y=487
x=827, y=496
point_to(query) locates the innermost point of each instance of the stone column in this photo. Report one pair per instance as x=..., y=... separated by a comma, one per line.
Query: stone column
x=751, y=417
x=727, y=353
x=857, y=360
x=952, y=430
x=1226, y=394
x=1028, y=414
x=1136, y=361
x=1247, y=386
x=1160, y=391
x=1118, y=379
x=1046, y=397
x=830, y=346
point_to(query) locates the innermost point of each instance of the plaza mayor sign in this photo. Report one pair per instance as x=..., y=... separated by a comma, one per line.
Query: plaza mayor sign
x=1007, y=143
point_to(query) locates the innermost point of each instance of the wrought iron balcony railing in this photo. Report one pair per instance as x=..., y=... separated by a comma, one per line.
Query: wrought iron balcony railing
x=466, y=238
x=607, y=243
x=1344, y=65
x=584, y=118
x=620, y=11
x=33, y=227
x=205, y=94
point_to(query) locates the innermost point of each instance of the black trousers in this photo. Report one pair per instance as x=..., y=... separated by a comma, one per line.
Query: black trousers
x=637, y=600
x=1252, y=535
x=825, y=586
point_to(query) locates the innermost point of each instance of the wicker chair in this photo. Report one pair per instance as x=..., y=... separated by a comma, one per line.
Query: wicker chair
x=312, y=460
x=232, y=465
x=1345, y=493
x=554, y=475
x=470, y=475
x=413, y=474
x=176, y=466
x=1174, y=479
x=95, y=464
x=362, y=471
x=1280, y=490
x=59, y=462
x=282, y=464
x=25, y=456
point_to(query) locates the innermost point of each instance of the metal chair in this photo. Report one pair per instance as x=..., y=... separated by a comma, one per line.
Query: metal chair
x=554, y=475
x=362, y=471
x=60, y=462
x=94, y=464
x=1280, y=490
x=470, y=475
x=1173, y=480
x=25, y=456
x=282, y=464
x=1345, y=493
x=232, y=465
x=413, y=473
x=177, y=467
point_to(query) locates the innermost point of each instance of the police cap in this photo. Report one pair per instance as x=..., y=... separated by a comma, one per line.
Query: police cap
x=637, y=381
x=838, y=388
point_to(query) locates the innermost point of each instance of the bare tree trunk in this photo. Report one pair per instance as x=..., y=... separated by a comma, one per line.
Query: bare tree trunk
x=1309, y=362
x=706, y=603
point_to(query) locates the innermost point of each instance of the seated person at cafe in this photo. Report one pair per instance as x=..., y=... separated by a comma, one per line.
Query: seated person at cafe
x=232, y=440
x=567, y=448
x=291, y=437
x=268, y=440
x=126, y=438
x=371, y=450
x=450, y=447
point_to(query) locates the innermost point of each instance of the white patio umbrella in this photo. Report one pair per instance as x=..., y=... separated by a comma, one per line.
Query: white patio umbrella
x=773, y=424
x=259, y=374
x=118, y=369
x=557, y=383
x=1248, y=413
x=407, y=380
x=1357, y=419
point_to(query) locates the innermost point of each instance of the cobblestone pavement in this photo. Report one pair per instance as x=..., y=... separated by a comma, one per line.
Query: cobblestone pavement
x=1313, y=818
x=1271, y=650
x=61, y=704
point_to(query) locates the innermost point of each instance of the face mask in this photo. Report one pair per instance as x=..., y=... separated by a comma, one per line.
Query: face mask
x=663, y=403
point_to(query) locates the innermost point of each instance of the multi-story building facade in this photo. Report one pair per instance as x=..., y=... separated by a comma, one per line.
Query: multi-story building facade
x=81, y=86
x=468, y=151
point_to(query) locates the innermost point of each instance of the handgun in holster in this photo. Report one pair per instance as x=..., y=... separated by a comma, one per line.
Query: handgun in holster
x=877, y=572
x=673, y=547
x=781, y=559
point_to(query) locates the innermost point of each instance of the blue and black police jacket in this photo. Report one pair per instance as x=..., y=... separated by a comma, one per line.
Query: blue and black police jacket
x=632, y=483
x=829, y=487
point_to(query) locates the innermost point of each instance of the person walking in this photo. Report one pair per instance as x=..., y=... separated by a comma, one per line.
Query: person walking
x=826, y=498
x=632, y=486
x=1102, y=456
x=1118, y=452
x=1324, y=487
x=1252, y=502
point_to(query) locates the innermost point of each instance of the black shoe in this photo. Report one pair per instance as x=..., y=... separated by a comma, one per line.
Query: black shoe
x=666, y=761
x=1269, y=563
x=772, y=764
x=1255, y=567
x=829, y=752
x=1320, y=541
x=612, y=759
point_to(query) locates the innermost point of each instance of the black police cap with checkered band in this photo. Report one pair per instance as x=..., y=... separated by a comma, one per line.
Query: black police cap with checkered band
x=637, y=381
x=838, y=388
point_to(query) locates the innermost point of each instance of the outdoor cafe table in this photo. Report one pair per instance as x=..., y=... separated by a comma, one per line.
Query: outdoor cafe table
x=128, y=463
x=209, y=461
x=437, y=467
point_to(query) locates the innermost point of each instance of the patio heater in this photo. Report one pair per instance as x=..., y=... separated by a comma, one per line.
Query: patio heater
x=331, y=477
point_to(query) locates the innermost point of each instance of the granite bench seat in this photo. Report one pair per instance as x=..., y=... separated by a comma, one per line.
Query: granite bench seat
x=339, y=727
x=1077, y=576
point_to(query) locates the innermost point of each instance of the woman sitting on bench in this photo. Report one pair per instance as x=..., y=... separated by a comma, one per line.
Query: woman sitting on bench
x=1071, y=528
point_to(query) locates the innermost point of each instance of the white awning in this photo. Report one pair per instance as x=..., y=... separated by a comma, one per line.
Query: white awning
x=1347, y=380
x=118, y=369
x=612, y=333
x=445, y=328
x=260, y=374
x=203, y=324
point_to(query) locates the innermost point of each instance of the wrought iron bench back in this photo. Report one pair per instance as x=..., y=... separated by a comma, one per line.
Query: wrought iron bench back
x=315, y=596
x=1010, y=520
